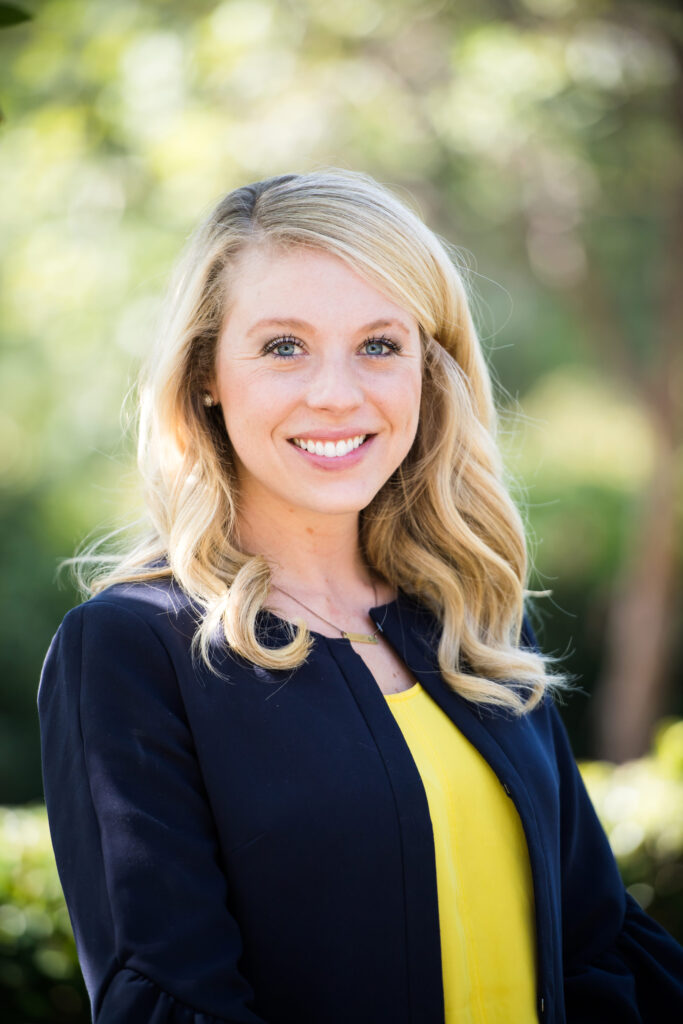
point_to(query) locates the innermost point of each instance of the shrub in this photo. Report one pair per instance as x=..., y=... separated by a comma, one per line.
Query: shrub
x=40, y=979
x=640, y=805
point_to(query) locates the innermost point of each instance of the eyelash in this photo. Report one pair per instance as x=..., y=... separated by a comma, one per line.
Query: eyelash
x=272, y=345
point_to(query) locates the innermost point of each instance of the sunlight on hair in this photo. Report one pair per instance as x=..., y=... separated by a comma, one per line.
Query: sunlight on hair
x=443, y=528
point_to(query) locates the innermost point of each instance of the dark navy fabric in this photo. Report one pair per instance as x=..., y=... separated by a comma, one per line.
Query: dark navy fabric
x=256, y=847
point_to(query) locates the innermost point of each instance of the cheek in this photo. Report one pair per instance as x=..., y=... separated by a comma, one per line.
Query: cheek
x=239, y=412
x=407, y=399
x=412, y=410
x=254, y=404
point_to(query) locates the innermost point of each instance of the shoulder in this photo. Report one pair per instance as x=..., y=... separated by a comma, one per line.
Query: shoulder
x=130, y=639
x=149, y=625
x=158, y=607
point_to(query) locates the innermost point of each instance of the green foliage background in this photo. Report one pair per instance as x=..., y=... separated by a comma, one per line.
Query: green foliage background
x=539, y=136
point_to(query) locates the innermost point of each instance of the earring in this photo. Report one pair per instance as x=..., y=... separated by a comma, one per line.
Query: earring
x=207, y=399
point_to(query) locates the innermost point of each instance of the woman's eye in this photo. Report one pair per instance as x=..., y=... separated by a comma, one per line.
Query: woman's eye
x=282, y=348
x=379, y=346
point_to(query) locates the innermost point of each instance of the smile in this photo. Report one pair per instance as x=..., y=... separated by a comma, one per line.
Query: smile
x=330, y=449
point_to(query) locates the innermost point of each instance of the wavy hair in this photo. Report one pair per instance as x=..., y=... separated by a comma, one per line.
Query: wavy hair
x=443, y=528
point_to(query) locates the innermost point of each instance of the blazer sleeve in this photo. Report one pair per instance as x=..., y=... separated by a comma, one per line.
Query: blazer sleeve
x=619, y=963
x=131, y=828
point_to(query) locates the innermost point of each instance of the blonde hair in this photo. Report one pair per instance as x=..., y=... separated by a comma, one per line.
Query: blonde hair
x=443, y=528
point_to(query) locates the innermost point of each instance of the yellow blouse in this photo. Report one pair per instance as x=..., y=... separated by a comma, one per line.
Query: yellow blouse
x=484, y=884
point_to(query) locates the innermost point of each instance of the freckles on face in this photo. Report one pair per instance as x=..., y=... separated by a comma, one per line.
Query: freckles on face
x=312, y=356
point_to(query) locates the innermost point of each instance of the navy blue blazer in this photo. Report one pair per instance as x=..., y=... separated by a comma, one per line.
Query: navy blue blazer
x=258, y=848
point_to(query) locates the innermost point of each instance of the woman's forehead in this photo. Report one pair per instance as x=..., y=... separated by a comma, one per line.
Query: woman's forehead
x=303, y=283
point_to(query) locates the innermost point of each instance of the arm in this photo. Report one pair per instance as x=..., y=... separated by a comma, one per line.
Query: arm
x=619, y=963
x=131, y=828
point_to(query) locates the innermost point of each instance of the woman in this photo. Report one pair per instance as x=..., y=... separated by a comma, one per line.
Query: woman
x=301, y=758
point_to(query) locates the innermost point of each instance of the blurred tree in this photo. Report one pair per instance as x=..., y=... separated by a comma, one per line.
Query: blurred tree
x=11, y=15
x=646, y=603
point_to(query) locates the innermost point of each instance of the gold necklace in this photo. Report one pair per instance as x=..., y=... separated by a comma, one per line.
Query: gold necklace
x=359, y=638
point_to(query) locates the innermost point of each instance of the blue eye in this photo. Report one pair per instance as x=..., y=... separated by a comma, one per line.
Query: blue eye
x=380, y=344
x=277, y=344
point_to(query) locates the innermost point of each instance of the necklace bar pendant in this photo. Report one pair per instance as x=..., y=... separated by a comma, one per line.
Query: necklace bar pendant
x=360, y=638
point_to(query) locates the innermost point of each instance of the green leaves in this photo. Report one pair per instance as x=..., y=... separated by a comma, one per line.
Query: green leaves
x=11, y=15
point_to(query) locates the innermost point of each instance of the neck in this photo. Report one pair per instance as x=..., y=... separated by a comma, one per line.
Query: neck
x=309, y=554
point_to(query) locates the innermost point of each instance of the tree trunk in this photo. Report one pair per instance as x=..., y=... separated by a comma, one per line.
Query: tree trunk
x=638, y=645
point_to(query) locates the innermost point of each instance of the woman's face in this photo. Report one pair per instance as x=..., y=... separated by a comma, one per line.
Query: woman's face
x=312, y=358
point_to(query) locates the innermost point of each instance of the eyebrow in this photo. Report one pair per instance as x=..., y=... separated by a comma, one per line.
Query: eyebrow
x=304, y=325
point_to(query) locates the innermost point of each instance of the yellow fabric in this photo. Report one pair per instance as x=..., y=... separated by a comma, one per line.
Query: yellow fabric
x=484, y=883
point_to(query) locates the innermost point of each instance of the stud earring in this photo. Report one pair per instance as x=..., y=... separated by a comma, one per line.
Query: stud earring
x=207, y=399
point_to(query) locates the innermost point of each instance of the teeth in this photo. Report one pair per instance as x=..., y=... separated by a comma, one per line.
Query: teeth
x=330, y=449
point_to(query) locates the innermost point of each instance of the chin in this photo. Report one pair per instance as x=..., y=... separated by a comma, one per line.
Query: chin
x=332, y=505
x=334, y=508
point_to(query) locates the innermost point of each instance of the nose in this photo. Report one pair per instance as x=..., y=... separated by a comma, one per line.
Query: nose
x=335, y=385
